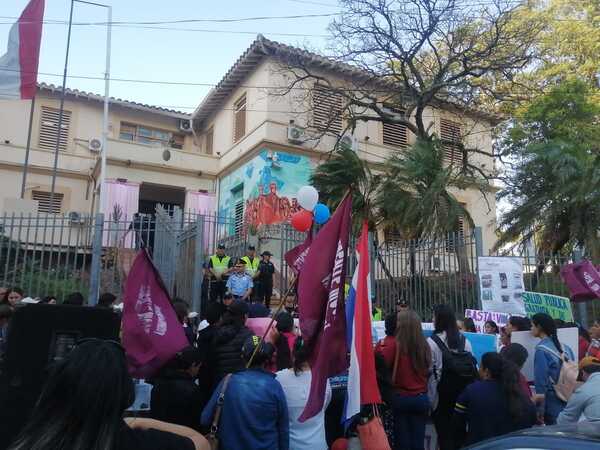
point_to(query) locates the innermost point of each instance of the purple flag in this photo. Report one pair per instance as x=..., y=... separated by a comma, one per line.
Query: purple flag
x=295, y=257
x=582, y=279
x=152, y=335
x=321, y=304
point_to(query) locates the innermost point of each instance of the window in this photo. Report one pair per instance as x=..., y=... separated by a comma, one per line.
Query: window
x=458, y=236
x=49, y=128
x=237, y=200
x=147, y=135
x=327, y=107
x=395, y=134
x=44, y=204
x=208, y=145
x=451, y=136
x=239, y=126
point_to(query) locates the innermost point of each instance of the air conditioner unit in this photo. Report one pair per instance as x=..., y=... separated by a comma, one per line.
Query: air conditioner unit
x=95, y=145
x=76, y=218
x=348, y=142
x=295, y=134
x=185, y=125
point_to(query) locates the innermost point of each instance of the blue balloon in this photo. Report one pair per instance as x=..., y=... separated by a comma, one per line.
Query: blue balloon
x=321, y=213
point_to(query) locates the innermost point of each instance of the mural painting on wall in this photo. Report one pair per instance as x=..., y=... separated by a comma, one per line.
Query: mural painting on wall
x=267, y=186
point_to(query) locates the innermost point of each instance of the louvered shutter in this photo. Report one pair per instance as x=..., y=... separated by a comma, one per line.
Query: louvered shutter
x=240, y=119
x=327, y=109
x=44, y=204
x=395, y=134
x=451, y=136
x=49, y=128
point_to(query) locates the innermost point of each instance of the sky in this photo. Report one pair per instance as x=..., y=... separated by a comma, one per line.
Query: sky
x=140, y=53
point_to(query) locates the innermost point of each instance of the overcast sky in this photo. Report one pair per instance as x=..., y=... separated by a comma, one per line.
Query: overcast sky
x=171, y=55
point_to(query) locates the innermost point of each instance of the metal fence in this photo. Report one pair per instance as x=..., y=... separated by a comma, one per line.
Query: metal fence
x=59, y=254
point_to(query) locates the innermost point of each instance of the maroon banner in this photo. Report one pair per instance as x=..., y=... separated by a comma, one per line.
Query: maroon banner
x=152, y=335
x=582, y=279
x=321, y=304
x=295, y=257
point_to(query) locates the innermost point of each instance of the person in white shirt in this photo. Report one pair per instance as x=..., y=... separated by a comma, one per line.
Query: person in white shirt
x=309, y=435
x=443, y=392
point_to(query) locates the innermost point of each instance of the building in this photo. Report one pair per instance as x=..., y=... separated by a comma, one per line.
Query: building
x=243, y=153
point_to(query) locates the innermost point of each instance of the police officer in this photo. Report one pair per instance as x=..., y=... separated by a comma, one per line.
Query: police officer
x=251, y=262
x=266, y=269
x=219, y=267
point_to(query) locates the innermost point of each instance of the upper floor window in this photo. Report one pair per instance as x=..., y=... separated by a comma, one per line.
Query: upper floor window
x=327, y=109
x=451, y=136
x=239, y=125
x=148, y=135
x=395, y=134
x=208, y=141
x=49, y=128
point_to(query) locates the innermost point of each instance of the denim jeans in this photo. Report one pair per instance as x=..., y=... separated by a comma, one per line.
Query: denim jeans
x=410, y=417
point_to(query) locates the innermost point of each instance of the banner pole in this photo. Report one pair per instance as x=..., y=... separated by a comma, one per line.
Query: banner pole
x=28, y=148
x=61, y=108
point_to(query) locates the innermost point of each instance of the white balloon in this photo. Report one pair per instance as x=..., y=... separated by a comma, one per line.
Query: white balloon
x=308, y=197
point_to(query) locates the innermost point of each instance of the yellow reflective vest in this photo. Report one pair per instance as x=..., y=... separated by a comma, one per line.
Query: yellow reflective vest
x=251, y=266
x=219, y=266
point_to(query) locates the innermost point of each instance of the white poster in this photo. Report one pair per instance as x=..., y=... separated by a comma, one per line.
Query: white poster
x=566, y=336
x=501, y=284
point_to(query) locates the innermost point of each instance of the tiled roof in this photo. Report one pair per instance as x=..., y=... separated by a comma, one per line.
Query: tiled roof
x=263, y=47
x=115, y=101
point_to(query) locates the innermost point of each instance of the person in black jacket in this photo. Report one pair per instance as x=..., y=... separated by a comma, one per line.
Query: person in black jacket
x=175, y=397
x=226, y=349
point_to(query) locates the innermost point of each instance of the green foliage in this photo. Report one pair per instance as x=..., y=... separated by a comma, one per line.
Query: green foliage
x=554, y=184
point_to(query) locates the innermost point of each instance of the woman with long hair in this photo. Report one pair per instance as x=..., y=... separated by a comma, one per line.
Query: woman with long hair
x=547, y=363
x=494, y=406
x=308, y=435
x=446, y=384
x=491, y=327
x=408, y=357
x=82, y=404
x=12, y=297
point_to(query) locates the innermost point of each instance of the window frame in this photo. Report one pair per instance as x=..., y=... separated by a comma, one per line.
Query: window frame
x=47, y=133
x=323, y=124
x=150, y=135
x=54, y=208
x=240, y=110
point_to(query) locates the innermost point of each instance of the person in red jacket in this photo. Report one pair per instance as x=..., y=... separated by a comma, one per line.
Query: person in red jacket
x=594, y=347
x=408, y=356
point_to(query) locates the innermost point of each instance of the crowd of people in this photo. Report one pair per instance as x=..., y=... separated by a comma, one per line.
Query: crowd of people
x=230, y=385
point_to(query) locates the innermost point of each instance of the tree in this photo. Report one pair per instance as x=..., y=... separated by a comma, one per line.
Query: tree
x=402, y=59
x=553, y=183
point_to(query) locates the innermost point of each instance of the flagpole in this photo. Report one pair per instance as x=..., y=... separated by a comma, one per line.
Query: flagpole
x=105, y=116
x=61, y=108
x=28, y=148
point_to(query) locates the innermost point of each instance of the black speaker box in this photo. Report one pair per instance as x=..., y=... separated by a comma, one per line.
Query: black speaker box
x=39, y=335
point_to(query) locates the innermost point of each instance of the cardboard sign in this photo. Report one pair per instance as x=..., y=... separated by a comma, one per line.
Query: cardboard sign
x=481, y=317
x=501, y=284
x=566, y=336
x=553, y=305
x=482, y=343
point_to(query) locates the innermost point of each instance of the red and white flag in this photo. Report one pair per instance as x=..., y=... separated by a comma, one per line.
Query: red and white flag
x=19, y=66
x=362, y=379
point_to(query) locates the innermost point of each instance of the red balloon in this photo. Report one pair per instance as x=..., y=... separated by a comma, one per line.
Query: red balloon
x=302, y=220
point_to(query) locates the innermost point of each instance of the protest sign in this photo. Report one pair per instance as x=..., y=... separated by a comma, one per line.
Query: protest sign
x=501, y=284
x=482, y=343
x=258, y=326
x=553, y=305
x=481, y=317
x=566, y=336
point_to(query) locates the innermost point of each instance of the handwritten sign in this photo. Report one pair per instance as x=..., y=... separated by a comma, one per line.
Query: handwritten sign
x=557, y=307
x=481, y=317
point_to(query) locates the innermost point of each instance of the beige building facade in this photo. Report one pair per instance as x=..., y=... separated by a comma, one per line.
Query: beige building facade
x=244, y=152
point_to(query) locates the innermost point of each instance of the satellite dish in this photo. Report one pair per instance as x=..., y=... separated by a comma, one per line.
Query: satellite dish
x=166, y=155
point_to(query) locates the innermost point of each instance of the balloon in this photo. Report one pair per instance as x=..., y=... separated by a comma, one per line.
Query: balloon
x=308, y=197
x=321, y=213
x=302, y=220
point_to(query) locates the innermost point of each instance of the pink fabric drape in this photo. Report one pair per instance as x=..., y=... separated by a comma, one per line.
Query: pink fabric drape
x=203, y=203
x=119, y=204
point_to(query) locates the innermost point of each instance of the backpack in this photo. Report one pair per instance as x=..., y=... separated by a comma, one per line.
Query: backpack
x=567, y=377
x=459, y=369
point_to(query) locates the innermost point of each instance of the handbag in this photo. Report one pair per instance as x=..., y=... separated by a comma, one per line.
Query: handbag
x=372, y=435
x=211, y=437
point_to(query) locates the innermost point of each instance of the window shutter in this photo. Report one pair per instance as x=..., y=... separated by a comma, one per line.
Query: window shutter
x=240, y=119
x=395, y=134
x=44, y=204
x=209, y=142
x=49, y=128
x=239, y=216
x=327, y=109
x=451, y=136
